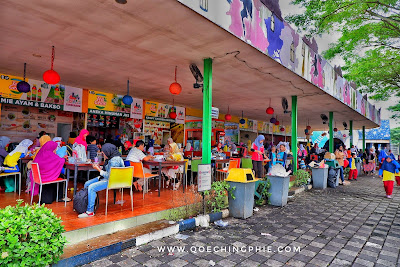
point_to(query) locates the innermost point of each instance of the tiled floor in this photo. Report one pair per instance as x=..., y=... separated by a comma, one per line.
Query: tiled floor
x=353, y=225
x=151, y=203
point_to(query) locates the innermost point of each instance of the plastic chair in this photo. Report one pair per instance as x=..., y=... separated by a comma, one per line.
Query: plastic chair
x=138, y=172
x=238, y=160
x=188, y=154
x=228, y=154
x=247, y=163
x=37, y=179
x=15, y=174
x=120, y=178
x=194, y=168
x=232, y=164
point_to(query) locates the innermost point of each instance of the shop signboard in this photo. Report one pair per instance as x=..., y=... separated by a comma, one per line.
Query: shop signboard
x=137, y=109
x=204, y=177
x=161, y=112
x=107, y=104
x=42, y=95
x=73, y=99
x=255, y=126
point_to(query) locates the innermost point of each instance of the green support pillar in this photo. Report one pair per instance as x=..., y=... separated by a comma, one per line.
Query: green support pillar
x=363, y=133
x=294, y=132
x=207, y=105
x=331, y=142
x=351, y=133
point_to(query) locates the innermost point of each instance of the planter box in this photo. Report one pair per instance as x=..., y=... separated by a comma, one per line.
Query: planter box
x=242, y=206
x=279, y=190
x=319, y=178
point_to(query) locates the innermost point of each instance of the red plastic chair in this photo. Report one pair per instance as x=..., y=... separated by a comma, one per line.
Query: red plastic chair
x=37, y=179
x=232, y=164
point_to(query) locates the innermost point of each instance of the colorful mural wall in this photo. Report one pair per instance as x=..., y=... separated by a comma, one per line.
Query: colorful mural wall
x=260, y=24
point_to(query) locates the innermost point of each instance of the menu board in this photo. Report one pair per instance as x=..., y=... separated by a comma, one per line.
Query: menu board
x=102, y=121
x=156, y=128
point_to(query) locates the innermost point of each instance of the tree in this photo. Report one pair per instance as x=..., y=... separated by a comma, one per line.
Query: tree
x=395, y=135
x=369, y=42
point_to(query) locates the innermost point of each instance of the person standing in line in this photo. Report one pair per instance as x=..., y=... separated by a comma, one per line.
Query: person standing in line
x=387, y=172
x=340, y=156
x=353, y=169
x=258, y=155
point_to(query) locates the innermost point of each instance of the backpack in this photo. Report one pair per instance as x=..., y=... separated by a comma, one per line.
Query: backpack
x=81, y=201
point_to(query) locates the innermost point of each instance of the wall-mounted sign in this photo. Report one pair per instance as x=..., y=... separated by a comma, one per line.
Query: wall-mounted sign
x=214, y=113
x=160, y=112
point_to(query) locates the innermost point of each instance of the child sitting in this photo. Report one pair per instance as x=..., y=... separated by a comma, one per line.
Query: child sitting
x=387, y=172
x=92, y=147
x=353, y=169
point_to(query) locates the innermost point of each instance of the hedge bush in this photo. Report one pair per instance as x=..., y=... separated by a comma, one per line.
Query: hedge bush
x=30, y=236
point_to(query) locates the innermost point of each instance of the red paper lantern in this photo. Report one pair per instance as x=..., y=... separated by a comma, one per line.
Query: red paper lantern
x=335, y=129
x=270, y=111
x=344, y=136
x=172, y=115
x=282, y=129
x=175, y=88
x=50, y=76
x=228, y=117
x=277, y=123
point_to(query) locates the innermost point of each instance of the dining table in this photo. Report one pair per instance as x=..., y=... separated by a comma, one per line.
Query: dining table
x=78, y=167
x=216, y=162
x=167, y=163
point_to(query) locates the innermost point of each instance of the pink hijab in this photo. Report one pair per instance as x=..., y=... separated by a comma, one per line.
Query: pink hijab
x=50, y=164
x=81, y=139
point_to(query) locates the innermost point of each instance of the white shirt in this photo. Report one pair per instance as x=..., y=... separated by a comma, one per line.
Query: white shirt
x=135, y=155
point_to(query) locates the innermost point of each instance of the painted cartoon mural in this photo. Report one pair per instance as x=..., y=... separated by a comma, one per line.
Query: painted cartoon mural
x=260, y=24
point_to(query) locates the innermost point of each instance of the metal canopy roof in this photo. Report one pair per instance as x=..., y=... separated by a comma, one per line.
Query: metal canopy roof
x=99, y=44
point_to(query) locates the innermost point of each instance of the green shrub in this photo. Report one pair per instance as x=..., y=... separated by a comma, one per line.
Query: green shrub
x=218, y=193
x=301, y=177
x=30, y=236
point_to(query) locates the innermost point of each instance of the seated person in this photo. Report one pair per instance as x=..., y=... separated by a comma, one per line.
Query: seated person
x=50, y=167
x=282, y=155
x=92, y=147
x=113, y=159
x=127, y=146
x=136, y=155
x=170, y=172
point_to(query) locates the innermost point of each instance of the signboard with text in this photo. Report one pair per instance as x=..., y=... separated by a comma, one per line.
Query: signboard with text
x=204, y=177
x=107, y=104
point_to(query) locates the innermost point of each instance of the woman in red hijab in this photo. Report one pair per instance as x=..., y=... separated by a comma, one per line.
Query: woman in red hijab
x=81, y=139
x=127, y=146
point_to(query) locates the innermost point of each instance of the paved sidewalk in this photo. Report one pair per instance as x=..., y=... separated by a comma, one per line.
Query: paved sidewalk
x=352, y=225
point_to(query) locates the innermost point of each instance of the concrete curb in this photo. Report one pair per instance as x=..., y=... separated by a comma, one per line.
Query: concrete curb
x=188, y=224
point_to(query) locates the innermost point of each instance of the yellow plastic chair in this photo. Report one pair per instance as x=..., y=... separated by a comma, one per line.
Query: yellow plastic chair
x=120, y=178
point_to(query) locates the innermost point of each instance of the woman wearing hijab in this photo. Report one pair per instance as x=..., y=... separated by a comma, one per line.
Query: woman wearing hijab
x=42, y=141
x=369, y=161
x=10, y=163
x=127, y=146
x=113, y=159
x=302, y=153
x=340, y=156
x=170, y=172
x=50, y=167
x=4, y=140
x=258, y=155
x=81, y=139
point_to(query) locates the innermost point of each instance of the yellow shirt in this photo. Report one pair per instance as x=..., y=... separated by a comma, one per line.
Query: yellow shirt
x=12, y=161
x=387, y=176
x=353, y=164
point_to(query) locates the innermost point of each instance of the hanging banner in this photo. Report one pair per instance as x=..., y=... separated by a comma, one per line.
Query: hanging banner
x=41, y=95
x=232, y=132
x=160, y=112
x=180, y=115
x=73, y=99
x=107, y=104
x=137, y=109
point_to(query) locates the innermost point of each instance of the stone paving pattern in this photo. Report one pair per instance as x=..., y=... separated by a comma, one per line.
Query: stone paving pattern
x=352, y=225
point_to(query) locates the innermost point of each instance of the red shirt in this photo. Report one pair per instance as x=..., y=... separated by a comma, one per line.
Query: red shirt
x=256, y=156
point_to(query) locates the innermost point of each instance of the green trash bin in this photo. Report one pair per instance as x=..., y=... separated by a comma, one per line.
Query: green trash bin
x=244, y=182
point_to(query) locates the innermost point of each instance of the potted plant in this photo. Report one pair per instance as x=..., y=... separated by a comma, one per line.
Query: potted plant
x=30, y=236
